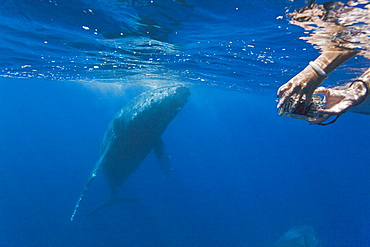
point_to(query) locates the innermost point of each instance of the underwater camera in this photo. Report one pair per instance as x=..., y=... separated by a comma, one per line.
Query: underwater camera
x=308, y=113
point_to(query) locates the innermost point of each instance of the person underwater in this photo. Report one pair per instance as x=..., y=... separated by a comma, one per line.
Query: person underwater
x=341, y=31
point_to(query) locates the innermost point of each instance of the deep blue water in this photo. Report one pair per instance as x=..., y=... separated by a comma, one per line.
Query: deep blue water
x=242, y=174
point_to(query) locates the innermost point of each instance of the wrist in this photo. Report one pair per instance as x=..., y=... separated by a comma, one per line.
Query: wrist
x=361, y=90
x=361, y=86
x=365, y=78
x=330, y=60
x=310, y=77
x=318, y=69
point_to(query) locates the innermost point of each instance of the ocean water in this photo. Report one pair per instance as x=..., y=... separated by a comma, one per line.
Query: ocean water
x=242, y=174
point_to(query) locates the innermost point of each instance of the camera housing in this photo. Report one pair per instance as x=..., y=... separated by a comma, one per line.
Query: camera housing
x=302, y=111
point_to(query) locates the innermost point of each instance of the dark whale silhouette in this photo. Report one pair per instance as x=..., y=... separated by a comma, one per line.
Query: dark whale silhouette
x=299, y=236
x=132, y=134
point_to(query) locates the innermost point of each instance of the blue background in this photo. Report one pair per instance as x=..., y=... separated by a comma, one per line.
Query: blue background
x=242, y=174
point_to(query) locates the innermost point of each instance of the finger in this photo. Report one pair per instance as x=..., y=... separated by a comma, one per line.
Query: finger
x=336, y=109
x=283, y=89
x=322, y=90
x=332, y=111
x=282, y=101
x=284, y=98
x=298, y=98
x=321, y=119
x=308, y=99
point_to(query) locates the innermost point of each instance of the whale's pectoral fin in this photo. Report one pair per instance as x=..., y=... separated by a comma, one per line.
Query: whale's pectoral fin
x=163, y=159
x=88, y=182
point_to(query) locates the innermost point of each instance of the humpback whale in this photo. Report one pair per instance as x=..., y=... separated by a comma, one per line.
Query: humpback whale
x=299, y=236
x=132, y=134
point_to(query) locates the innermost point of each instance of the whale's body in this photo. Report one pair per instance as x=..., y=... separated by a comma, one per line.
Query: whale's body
x=132, y=134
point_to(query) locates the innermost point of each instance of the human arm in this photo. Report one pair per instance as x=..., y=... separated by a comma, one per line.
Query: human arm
x=302, y=86
x=342, y=98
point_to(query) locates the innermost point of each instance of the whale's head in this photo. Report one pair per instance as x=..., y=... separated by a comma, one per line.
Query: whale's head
x=172, y=98
x=166, y=102
x=156, y=107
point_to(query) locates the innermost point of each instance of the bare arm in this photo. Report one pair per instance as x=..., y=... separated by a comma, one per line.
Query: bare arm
x=342, y=98
x=302, y=86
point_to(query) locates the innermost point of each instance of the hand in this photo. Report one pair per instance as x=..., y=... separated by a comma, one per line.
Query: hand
x=340, y=99
x=300, y=88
